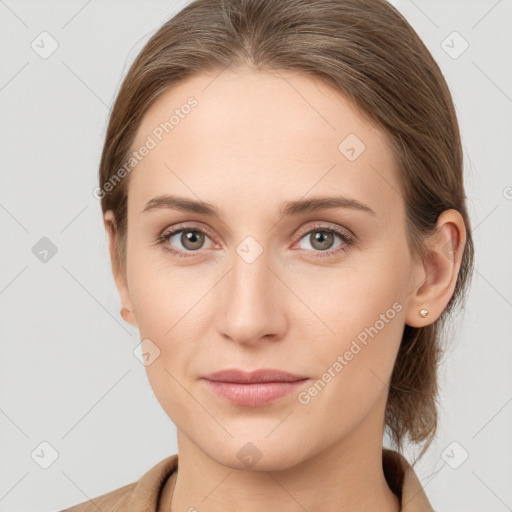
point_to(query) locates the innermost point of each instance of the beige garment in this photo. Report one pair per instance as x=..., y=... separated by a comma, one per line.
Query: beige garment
x=145, y=494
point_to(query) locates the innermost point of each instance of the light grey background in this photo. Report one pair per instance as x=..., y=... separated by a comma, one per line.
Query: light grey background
x=68, y=374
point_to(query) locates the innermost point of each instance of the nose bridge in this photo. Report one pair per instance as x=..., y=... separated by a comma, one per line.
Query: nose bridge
x=250, y=274
x=249, y=305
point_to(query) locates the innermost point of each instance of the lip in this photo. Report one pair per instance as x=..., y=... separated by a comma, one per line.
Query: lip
x=260, y=375
x=253, y=389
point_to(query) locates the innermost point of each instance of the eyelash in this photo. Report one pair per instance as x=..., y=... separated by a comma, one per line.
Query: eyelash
x=348, y=240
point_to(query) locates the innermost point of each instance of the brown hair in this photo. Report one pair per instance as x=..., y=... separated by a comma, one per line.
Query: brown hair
x=366, y=50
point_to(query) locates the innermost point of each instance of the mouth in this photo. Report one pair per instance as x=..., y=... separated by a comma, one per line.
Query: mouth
x=253, y=389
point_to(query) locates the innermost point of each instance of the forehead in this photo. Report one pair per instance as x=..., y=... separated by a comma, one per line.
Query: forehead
x=261, y=135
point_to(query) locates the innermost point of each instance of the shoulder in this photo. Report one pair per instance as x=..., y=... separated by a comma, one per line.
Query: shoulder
x=109, y=501
x=140, y=495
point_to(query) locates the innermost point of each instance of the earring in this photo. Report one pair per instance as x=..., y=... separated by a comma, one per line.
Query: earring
x=423, y=312
x=124, y=311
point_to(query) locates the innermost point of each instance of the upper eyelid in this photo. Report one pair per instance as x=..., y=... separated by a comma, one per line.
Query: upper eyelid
x=183, y=227
x=319, y=225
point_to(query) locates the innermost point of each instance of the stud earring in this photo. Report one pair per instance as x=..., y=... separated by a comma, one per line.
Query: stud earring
x=423, y=312
x=124, y=311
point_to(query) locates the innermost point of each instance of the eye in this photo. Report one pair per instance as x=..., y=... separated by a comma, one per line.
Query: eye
x=183, y=241
x=322, y=239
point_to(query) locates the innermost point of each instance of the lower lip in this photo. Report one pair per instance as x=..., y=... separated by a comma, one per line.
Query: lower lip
x=254, y=394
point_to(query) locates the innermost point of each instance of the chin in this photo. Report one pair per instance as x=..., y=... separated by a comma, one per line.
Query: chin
x=257, y=453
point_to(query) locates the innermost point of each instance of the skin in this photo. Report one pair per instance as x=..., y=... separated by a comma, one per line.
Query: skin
x=254, y=141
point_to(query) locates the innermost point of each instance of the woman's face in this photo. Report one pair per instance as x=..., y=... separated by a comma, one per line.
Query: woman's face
x=270, y=282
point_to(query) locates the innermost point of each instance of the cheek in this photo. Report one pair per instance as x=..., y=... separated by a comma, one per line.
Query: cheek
x=364, y=310
x=352, y=297
x=355, y=364
x=365, y=330
x=166, y=306
x=167, y=313
x=160, y=294
x=171, y=305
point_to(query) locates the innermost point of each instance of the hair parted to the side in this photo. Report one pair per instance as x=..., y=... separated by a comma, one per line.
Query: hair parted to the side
x=367, y=51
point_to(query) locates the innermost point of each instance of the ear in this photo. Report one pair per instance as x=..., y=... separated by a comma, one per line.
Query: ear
x=117, y=271
x=435, y=277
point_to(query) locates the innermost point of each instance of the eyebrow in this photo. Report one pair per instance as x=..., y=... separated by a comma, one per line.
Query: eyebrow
x=296, y=207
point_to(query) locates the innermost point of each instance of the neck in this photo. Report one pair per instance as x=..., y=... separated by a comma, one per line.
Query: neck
x=346, y=476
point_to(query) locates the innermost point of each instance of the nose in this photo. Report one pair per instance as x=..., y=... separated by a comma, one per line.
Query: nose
x=252, y=302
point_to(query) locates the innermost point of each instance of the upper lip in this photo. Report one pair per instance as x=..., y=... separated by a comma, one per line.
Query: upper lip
x=261, y=375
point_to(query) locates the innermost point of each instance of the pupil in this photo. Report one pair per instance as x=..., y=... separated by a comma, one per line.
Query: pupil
x=323, y=238
x=191, y=237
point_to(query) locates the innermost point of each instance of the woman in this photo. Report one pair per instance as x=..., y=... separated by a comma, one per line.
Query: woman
x=282, y=188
